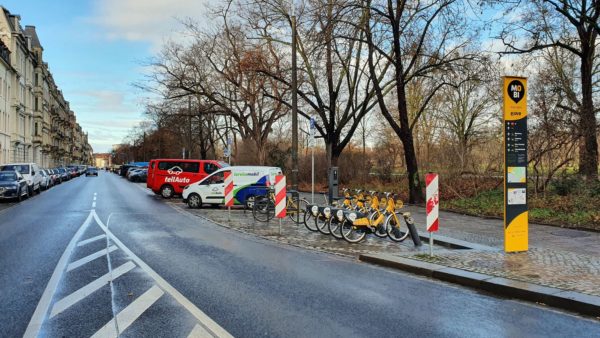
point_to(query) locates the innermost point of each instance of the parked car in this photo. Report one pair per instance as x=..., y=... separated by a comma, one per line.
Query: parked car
x=249, y=182
x=13, y=185
x=64, y=174
x=55, y=175
x=131, y=170
x=46, y=182
x=167, y=177
x=91, y=171
x=139, y=175
x=73, y=171
x=31, y=173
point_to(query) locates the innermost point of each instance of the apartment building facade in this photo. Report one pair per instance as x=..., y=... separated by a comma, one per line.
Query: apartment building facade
x=36, y=122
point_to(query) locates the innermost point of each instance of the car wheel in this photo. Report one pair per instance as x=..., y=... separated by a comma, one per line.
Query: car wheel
x=30, y=191
x=250, y=202
x=194, y=201
x=19, y=196
x=167, y=191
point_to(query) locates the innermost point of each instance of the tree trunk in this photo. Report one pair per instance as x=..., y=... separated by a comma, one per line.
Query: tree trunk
x=415, y=194
x=588, y=153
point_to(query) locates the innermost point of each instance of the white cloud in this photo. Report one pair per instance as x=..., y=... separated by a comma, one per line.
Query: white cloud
x=145, y=20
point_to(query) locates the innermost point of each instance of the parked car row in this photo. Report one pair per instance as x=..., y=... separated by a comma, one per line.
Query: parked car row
x=21, y=180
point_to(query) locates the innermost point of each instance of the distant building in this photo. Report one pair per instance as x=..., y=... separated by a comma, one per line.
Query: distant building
x=102, y=160
x=36, y=122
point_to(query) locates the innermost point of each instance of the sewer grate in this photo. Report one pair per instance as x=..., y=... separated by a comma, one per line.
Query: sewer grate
x=570, y=233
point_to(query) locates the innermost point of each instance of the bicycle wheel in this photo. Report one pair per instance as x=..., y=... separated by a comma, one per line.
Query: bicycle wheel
x=380, y=230
x=263, y=209
x=394, y=227
x=351, y=233
x=322, y=222
x=334, y=227
x=297, y=206
x=310, y=222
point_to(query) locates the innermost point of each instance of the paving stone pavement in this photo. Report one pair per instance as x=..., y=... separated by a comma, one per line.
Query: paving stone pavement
x=562, y=258
x=299, y=235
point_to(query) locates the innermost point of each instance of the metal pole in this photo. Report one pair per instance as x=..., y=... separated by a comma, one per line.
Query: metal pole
x=229, y=214
x=280, y=227
x=431, y=244
x=294, y=105
x=313, y=174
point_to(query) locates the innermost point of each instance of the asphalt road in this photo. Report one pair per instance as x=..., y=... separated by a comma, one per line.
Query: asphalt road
x=98, y=248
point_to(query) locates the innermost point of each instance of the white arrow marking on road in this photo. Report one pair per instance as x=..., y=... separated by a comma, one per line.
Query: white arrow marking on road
x=90, y=240
x=92, y=287
x=91, y=257
x=129, y=314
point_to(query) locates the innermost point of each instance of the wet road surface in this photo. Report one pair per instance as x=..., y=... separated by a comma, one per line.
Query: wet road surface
x=99, y=256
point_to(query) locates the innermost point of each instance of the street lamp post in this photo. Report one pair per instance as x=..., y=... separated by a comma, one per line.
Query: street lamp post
x=294, y=104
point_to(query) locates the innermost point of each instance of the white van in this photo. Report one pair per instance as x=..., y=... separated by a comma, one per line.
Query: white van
x=31, y=173
x=248, y=182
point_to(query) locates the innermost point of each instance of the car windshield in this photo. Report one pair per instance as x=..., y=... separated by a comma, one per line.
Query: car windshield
x=8, y=176
x=21, y=168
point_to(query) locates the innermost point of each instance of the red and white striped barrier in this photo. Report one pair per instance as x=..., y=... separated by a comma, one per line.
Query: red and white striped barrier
x=228, y=189
x=280, y=196
x=433, y=201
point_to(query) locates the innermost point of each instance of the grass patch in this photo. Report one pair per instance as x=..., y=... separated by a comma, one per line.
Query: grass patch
x=581, y=210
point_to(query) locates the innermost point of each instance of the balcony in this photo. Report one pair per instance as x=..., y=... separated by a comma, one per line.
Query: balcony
x=37, y=139
x=18, y=105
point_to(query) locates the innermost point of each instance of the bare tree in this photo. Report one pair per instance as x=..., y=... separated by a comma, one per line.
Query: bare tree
x=334, y=85
x=572, y=26
x=470, y=108
x=417, y=40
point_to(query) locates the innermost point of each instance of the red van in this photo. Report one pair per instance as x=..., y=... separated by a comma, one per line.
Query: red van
x=169, y=176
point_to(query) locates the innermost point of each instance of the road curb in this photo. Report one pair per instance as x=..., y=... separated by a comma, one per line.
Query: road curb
x=510, y=288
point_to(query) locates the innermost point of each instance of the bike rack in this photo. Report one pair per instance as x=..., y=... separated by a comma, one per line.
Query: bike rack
x=296, y=194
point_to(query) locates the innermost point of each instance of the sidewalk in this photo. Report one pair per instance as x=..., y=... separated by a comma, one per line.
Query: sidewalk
x=565, y=263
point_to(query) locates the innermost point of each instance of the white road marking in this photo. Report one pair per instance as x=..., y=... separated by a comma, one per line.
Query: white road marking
x=90, y=240
x=199, y=332
x=92, y=287
x=94, y=205
x=205, y=320
x=94, y=197
x=33, y=328
x=91, y=257
x=129, y=314
x=95, y=193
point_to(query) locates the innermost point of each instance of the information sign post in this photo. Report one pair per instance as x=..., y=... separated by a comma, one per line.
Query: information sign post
x=516, y=220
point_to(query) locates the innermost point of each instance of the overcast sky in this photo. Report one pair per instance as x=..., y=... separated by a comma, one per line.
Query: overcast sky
x=96, y=50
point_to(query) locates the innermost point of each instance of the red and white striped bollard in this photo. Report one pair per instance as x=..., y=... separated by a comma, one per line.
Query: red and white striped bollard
x=280, y=198
x=228, y=192
x=432, y=206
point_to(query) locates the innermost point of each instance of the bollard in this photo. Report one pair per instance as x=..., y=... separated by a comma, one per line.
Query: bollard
x=414, y=234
